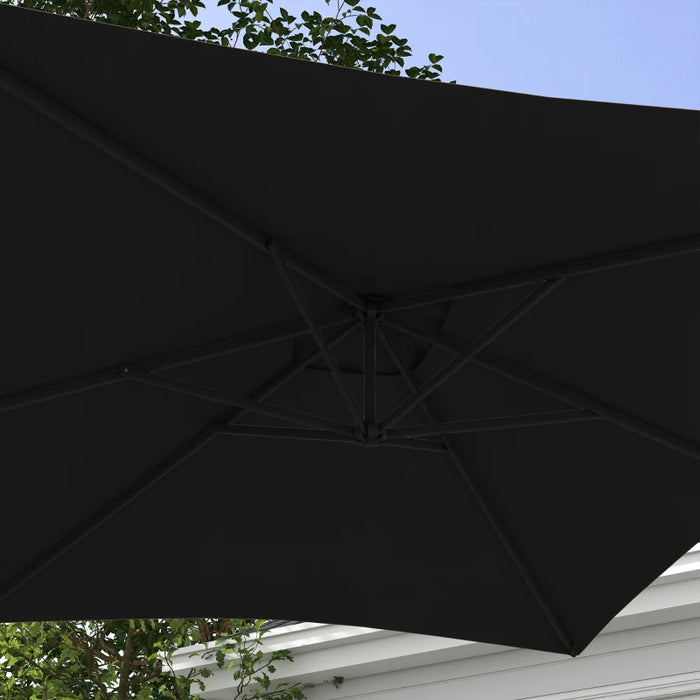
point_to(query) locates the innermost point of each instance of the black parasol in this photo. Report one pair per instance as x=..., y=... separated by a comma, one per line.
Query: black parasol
x=287, y=340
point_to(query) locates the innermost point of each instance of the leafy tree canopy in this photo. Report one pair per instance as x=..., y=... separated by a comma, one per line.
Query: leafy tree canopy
x=346, y=36
x=132, y=659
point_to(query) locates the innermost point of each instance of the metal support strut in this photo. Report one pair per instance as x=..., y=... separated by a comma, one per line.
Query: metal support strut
x=478, y=495
x=312, y=323
x=555, y=390
x=371, y=429
x=161, y=470
x=479, y=344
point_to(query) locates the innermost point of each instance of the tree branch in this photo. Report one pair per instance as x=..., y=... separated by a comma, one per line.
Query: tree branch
x=123, y=688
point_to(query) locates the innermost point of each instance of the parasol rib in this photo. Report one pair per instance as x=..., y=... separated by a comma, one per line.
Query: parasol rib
x=308, y=317
x=483, y=504
x=126, y=156
x=162, y=362
x=370, y=369
x=475, y=425
x=451, y=368
x=564, y=270
x=555, y=390
x=283, y=433
x=411, y=444
x=265, y=431
x=228, y=399
x=180, y=455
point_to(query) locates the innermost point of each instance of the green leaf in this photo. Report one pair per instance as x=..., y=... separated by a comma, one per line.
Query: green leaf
x=388, y=28
x=250, y=41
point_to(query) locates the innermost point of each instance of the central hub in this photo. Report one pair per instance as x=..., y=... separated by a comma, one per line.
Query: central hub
x=372, y=431
x=349, y=352
x=371, y=309
x=372, y=435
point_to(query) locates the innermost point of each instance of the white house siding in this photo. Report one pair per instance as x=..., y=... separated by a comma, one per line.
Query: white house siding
x=650, y=650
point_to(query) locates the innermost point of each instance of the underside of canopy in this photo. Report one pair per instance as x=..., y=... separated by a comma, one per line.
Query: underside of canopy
x=484, y=304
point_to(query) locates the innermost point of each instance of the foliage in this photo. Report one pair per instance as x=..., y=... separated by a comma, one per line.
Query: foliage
x=120, y=659
x=343, y=38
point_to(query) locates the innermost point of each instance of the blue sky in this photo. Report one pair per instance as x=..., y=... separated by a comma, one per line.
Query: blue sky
x=633, y=51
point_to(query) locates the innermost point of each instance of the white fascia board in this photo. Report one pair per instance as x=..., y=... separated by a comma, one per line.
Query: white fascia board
x=341, y=649
x=675, y=600
x=681, y=685
x=684, y=568
x=519, y=674
x=527, y=675
x=302, y=638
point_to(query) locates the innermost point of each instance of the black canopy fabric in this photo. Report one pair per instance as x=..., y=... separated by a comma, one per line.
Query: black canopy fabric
x=294, y=341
